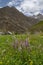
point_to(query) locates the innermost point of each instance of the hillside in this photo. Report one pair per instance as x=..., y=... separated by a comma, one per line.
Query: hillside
x=37, y=27
x=13, y=20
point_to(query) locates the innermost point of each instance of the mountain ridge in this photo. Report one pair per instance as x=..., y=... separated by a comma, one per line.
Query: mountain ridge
x=13, y=20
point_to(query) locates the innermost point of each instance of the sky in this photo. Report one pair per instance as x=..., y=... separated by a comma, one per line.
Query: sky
x=28, y=7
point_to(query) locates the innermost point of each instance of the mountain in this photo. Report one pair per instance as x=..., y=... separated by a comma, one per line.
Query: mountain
x=14, y=21
x=37, y=27
x=39, y=16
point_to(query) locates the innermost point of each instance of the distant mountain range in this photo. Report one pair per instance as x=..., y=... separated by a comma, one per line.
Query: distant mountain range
x=14, y=21
x=39, y=16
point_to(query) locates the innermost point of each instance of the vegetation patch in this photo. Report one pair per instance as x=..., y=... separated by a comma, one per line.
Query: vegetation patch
x=21, y=49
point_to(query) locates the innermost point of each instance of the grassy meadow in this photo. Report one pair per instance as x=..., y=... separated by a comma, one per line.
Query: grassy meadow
x=22, y=49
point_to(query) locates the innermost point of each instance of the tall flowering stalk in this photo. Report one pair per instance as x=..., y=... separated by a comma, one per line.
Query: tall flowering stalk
x=20, y=45
x=26, y=43
x=15, y=44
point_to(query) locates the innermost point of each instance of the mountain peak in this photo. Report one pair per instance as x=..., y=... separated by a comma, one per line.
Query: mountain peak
x=13, y=20
x=39, y=14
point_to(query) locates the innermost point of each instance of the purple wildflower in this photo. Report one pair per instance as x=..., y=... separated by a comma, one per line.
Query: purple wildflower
x=15, y=45
x=26, y=43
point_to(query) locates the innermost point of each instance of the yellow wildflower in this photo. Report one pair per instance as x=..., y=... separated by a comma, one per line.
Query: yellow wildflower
x=1, y=62
x=31, y=63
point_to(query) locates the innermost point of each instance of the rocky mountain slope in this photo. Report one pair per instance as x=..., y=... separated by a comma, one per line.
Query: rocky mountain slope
x=14, y=21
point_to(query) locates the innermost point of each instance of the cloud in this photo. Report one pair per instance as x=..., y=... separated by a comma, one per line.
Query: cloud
x=0, y=7
x=28, y=7
x=31, y=6
x=14, y=3
x=11, y=3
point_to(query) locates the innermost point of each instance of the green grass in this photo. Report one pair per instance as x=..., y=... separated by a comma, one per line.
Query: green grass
x=26, y=56
x=37, y=27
